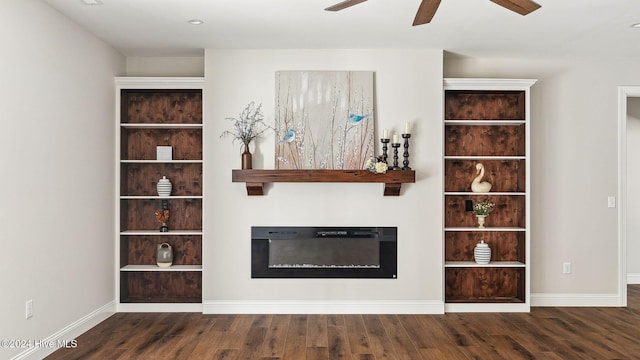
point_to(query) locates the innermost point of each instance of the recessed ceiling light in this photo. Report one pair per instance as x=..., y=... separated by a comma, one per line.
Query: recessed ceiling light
x=92, y=2
x=637, y=25
x=196, y=22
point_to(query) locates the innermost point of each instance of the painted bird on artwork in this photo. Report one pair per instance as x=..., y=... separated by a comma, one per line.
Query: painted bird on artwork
x=355, y=119
x=288, y=137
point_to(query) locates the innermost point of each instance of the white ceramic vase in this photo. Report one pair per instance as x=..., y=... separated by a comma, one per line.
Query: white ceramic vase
x=481, y=220
x=164, y=187
x=164, y=255
x=482, y=253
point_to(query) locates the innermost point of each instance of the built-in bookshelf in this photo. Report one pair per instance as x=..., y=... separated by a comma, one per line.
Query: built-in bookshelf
x=487, y=121
x=152, y=112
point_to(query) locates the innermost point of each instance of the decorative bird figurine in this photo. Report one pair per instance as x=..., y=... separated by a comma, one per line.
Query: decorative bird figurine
x=478, y=186
x=288, y=137
x=356, y=119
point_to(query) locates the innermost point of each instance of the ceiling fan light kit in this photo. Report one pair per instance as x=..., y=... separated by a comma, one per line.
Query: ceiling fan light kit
x=428, y=8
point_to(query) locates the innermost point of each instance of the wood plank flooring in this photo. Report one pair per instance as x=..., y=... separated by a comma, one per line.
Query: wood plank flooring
x=544, y=333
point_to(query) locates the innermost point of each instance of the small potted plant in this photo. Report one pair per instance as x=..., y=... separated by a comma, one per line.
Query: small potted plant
x=248, y=126
x=482, y=209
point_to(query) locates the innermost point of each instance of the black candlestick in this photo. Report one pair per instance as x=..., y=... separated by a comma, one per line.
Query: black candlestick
x=406, y=152
x=395, y=156
x=384, y=148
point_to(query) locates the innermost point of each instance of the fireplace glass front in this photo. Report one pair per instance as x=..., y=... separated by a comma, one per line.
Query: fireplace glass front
x=324, y=252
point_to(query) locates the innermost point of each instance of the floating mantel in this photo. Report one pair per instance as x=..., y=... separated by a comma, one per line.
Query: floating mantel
x=255, y=179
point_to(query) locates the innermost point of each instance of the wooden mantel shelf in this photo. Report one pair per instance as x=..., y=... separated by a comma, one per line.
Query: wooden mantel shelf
x=255, y=179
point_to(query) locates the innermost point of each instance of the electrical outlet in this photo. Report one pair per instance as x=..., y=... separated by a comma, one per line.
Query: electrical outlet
x=28, y=307
x=566, y=268
x=611, y=201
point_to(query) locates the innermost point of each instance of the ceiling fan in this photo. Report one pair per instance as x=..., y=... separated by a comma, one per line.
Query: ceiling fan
x=428, y=8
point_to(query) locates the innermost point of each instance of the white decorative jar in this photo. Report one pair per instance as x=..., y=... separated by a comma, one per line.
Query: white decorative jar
x=482, y=253
x=164, y=187
x=164, y=255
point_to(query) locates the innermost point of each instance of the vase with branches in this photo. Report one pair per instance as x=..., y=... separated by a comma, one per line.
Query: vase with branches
x=248, y=126
x=163, y=216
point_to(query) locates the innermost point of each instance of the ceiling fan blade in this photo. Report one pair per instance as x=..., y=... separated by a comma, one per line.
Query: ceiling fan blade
x=426, y=11
x=522, y=7
x=344, y=4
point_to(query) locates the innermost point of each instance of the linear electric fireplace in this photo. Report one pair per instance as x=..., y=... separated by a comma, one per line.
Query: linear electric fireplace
x=323, y=252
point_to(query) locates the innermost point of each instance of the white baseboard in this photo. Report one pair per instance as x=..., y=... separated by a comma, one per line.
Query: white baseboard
x=323, y=307
x=68, y=333
x=633, y=279
x=567, y=300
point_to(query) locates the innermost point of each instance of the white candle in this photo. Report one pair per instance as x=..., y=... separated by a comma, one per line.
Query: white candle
x=385, y=134
x=395, y=139
x=406, y=128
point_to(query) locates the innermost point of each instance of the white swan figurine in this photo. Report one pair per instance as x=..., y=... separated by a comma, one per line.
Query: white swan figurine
x=478, y=186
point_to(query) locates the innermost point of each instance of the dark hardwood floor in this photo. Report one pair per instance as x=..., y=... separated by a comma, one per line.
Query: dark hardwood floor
x=544, y=333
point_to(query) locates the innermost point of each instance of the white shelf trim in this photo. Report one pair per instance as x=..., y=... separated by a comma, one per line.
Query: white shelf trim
x=484, y=193
x=157, y=268
x=476, y=307
x=472, y=264
x=160, y=82
x=161, y=161
x=161, y=126
x=484, y=157
x=157, y=232
x=484, y=229
x=145, y=197
x=485, y=122
x=160, y=307
x=487, y=84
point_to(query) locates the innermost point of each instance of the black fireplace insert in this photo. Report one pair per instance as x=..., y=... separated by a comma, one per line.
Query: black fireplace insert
x=323, y=252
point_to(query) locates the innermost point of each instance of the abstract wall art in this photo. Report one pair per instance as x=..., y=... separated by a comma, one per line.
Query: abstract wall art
x=324, y=119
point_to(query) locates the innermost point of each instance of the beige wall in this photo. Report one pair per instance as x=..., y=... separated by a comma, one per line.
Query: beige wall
x=408, y=88
x=56, y=182
x=165, y=66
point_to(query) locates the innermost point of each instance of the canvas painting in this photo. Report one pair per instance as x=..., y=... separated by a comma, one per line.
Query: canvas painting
x=324, y=119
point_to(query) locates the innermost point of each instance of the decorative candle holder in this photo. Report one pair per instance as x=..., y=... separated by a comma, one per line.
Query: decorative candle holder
x=406, y=152
x=395, y=156
x=384, y=148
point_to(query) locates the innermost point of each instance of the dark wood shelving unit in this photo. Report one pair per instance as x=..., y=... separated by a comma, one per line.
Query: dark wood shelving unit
x=486, y=121
x=159, y=112
x=255, y=179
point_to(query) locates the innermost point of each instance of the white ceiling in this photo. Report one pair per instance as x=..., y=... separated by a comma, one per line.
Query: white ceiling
x=560, y=28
